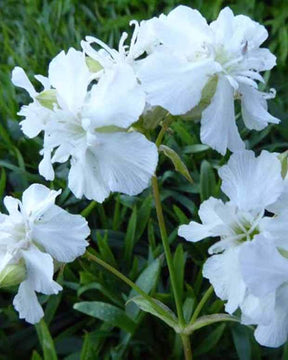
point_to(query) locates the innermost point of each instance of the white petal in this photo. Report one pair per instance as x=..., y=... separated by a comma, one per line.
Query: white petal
x=36, y=118
x=37, y=199
x=174, y=83
x=20, y=79
x=280, y=205
x=184, y=31
x=222, y=27
x=218, y=126
x=254, y=108
x=122, y=162
x=85, y=178
x=61, y=234
x=117, y=99
x=128, y=161
x=224, y=274
x=275, y=333
x=40, y=271
x=12, y=205
x=209, y=215
x=69, y=74
x=257, y=310
x=245, y=180
x=27, y=304
x=262, y=266
x=45, y=166
x=194, y=231
x=276, y=228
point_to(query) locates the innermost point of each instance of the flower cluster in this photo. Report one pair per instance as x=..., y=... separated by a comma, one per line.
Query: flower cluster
x=88, y=108
x=85, y=114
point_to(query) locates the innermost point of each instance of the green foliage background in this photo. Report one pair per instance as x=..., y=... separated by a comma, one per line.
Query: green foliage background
x=125, y=231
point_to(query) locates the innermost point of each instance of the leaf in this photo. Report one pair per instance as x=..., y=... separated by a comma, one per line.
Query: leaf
x=108, y=313
x=146, y=281
x=176, y=160
x=241, y=341
x=130, y=237
x=46, y=341
x=35, y=356
x=179, y=261
x=163, y=312
x=210, y=341
x=207, y=181
x=208, y=320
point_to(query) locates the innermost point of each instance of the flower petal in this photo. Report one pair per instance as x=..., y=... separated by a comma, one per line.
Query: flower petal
x=172, y=82
x=40, y=271
x=262, y=266
x=245, y=180
x=117, y=99
x=275, y=333
x=254, y=108
x=218, y=126
x=37, y=199
x=224, y=274
x=27, y=304
x=20, y=79
x=69, y=74
x=61, y=234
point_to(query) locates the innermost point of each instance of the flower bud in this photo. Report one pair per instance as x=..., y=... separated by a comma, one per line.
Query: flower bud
x=207, y=94
x=93, y=65
x=12, y=275
x=48, y=98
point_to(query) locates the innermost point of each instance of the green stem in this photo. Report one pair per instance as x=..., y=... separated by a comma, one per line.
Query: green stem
x=121, y=276
x=201, y=304
x=186, y=346
x=167, y=250
x=163, y=130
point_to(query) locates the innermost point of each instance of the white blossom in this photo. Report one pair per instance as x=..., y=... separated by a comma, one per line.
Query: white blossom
x=192, y=53
x=252, y=185
x=35, y=233
x=89, y=123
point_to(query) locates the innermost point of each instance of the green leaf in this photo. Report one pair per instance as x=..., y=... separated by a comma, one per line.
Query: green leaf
x=108, y=313
x=130, y=237
x=176, y=160
x=241, y=341
x=207, y=181
x=179, y=261
x=35, y=356
x=146, y=281
x=87, y=348
x=46, y=341
x=210, y=341
x=208, y=320
x=163, y=312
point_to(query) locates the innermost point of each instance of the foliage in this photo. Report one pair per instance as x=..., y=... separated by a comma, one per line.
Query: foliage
x=34, y=31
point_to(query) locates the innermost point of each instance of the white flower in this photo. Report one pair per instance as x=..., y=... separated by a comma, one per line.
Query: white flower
x=252, y=185
x=36, y=232
x=192, y=53
x=264, y=265
x=89, y=125
x=36, y=116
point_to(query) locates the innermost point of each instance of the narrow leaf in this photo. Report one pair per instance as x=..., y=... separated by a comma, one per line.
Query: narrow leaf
x=177, y=162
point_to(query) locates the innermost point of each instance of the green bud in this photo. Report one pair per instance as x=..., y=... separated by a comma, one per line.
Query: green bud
x=109, y=129
x=207, y=94
x=48, y=98
x=283, y=252
x=152, y=118
x=93, y=65
x=12, y=275
x=284, y=163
